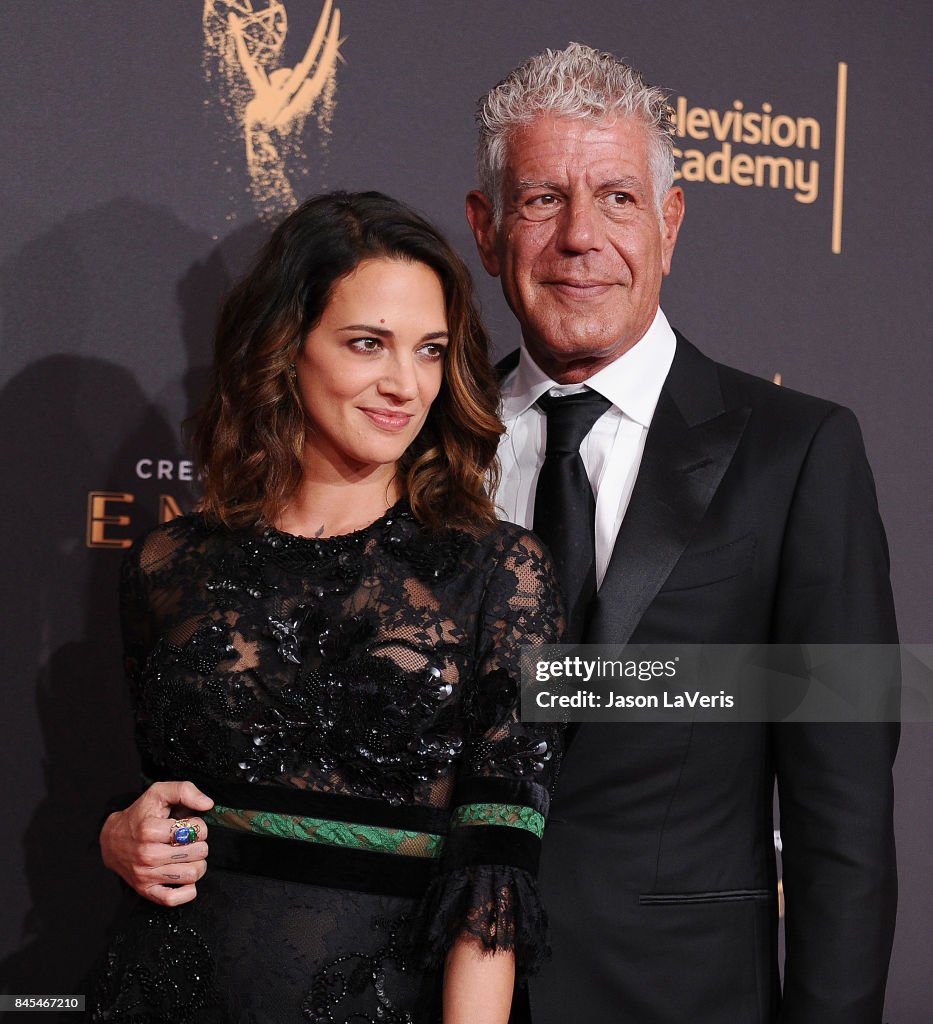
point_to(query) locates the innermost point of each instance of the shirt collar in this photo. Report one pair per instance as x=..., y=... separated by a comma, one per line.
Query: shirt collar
x=632, y=382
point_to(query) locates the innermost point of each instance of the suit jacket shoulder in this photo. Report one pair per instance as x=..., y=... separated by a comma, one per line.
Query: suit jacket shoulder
x=693, y=372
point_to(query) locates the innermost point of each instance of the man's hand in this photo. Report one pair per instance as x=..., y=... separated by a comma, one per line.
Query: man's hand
x=136, y=843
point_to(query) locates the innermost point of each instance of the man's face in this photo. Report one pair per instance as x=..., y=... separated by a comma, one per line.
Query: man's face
x=580, y=248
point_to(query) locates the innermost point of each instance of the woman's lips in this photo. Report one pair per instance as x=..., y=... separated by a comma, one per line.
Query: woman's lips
x=388, y=419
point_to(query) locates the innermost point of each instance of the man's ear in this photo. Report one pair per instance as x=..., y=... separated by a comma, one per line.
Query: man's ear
x=482, y=223
x=672, y=216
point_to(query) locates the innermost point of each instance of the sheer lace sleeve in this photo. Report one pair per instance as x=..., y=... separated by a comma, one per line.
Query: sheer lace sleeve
x=487, y=886
x=153, y=582
x=134, y=613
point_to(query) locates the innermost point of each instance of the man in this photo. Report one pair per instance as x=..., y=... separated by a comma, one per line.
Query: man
x=727, y=510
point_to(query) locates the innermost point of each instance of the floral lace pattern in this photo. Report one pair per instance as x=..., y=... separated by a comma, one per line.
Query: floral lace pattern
x=345, y=834
x=498, y=906
x=381, y=665
x=510, y=815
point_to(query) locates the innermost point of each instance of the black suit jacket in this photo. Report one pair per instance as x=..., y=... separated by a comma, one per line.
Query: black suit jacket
x=753, y=519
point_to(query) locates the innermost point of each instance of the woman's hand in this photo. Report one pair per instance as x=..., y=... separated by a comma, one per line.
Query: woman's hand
x=136, y=844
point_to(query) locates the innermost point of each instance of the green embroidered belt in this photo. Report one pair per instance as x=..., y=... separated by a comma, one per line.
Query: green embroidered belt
x=356, y=843
x=347, y=834
x=373, y=838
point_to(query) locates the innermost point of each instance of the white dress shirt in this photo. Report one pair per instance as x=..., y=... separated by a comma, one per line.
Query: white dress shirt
x=611, y=451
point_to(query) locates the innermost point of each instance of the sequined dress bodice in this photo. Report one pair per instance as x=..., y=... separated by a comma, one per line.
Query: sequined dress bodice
x=378, y=670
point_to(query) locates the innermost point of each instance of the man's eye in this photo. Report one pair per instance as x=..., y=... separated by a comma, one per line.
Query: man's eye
x=619, y=199
x=544, y=200
x=365, y=344
x=542, y=206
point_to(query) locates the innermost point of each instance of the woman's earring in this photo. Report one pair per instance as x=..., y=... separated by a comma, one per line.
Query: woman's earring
x=292, y=373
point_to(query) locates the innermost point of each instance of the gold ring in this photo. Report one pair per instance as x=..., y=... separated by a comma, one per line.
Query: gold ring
x=183, y=833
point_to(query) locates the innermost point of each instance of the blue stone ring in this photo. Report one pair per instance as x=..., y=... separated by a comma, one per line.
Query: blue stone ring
x=183, y=833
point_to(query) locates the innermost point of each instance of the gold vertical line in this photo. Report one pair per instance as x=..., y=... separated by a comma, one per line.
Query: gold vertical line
x=839, y=173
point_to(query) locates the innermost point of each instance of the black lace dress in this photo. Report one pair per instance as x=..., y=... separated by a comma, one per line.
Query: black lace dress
x=350, y=704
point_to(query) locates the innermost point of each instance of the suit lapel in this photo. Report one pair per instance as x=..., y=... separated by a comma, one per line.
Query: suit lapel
x=690, y=444
x=507, y=364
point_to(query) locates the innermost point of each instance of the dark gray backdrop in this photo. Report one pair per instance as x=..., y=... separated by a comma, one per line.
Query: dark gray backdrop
x=127, y=212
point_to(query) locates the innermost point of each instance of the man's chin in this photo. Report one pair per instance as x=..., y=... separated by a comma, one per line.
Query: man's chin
x=573, y=363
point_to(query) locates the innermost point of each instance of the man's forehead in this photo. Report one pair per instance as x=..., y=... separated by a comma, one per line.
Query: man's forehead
x=553, y=147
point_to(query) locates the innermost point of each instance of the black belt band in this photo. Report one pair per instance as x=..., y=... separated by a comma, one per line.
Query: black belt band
x=309, y=803
x=333, y=867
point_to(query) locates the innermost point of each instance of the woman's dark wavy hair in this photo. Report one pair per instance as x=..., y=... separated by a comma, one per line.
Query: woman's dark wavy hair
x=249, y=435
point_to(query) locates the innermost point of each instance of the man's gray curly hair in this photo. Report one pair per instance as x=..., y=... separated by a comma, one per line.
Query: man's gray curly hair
x=577, y=82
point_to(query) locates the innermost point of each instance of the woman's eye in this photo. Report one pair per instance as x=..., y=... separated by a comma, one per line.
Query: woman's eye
x=365, y=344
x=433, y=351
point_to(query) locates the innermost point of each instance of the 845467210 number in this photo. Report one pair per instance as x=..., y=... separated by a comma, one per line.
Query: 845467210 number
x=41, y=1002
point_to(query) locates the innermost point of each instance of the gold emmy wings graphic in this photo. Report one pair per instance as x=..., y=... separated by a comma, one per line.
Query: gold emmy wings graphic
x=267, y=104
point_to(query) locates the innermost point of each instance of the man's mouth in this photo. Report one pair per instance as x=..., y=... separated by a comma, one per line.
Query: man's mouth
x=575, y=288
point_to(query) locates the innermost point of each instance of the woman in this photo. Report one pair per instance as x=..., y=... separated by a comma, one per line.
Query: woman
x=328, y=652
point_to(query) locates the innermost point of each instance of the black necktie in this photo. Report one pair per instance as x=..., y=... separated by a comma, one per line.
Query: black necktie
x=565, y=509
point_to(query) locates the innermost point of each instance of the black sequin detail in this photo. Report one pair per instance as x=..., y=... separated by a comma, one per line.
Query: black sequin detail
x=382, y=665
x=206, y=649
x=346, y=982
x=160, y=971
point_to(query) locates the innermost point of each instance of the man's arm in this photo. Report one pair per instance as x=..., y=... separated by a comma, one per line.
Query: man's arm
x=834, y=780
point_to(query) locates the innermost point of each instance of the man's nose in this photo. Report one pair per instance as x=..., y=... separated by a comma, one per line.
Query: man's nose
x=581, y=228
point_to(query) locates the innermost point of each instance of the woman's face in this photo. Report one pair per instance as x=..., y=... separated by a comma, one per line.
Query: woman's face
x=369, y=371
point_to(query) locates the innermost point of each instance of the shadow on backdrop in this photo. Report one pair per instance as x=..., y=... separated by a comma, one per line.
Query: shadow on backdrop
x=102, y=286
